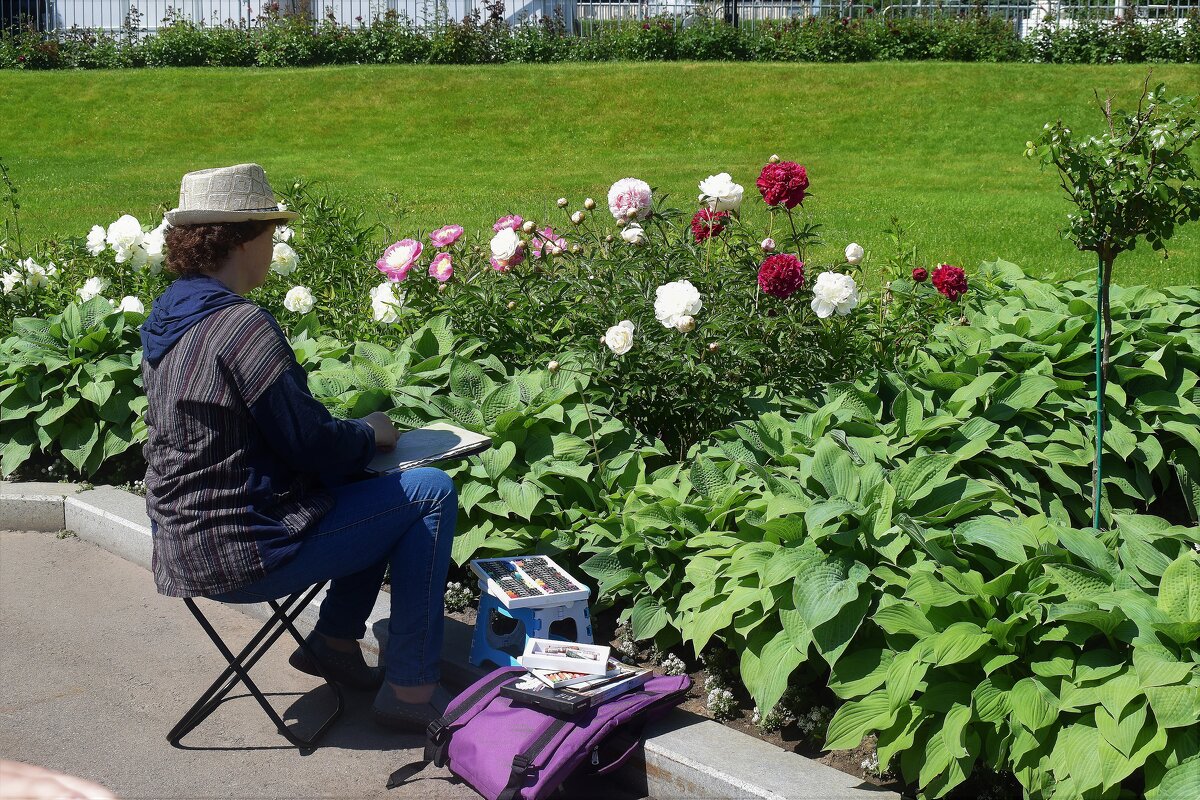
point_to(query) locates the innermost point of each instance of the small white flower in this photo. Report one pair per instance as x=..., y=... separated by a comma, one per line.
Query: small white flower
x=674, y=300
x=91, y=288
x=767, y=245
x=505, y=245
x=384, y=302
x=619, y=337
x=577, y=217
x=12, y=280
x=720, y=193
x=633, y=233
x=283, y=233
x=95, y=240
x=834, y=292
x=630, y=195
x=131, y=303
x=854, y=254
x=284, y=259
x=125, y=236
x=685, y=324
x=298, y=299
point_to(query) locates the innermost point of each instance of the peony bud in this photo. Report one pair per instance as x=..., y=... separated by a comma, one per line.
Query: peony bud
x=576, y=249
x=562, y=202
x=608, y=238
x=713, y=347
x=441, y=288
x=511, y=305
x=854, y=253
x=768, y=245
x=553, y=366
x=686, y=324
x=577, y=217
x=621, y=223
x=528, y=226
x=774, y=159
x=920, y=275
x=631, y=213
x=589, y=204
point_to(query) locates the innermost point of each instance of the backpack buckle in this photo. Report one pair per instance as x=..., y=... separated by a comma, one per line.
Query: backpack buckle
x=437, y=731
x=521, y=764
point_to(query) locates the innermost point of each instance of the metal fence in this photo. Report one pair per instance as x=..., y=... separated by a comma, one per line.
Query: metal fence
x=581, y=17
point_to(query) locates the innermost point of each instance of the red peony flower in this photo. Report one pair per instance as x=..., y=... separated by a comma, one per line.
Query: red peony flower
x=783, y=184
x=920, y=274
x=950, y=281
x=781, y=275
x=708, y=223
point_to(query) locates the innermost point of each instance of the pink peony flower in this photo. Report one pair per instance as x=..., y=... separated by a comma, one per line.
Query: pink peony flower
x=920, y=275
x=399, y=258
x=629, y=194
x=547, y=239
x=442, y=267
x=781, y=275
x=446, y=235
x=950, y=281
x=512, y=222
x=708, y=223
x=505, y=266
x=783, y=184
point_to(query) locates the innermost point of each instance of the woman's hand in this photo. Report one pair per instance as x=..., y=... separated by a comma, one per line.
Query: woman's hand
x=26, y=781
x=385, y=431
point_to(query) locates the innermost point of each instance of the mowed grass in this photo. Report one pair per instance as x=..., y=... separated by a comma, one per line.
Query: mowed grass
x=937, y=145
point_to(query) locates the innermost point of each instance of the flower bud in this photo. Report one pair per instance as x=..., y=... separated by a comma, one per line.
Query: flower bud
x=441, y=288
x=511, y=305
x=768, y=245
x=608, y=238
x=631, y=213
x=686, y=324
x=562, y=202
x=854, y=254
x=589, y=204
x=576, y=249
x=577, y=217
x=528, y=226
x=621, y=223
x=774, y=159
x=553, y=366
x=713, y=347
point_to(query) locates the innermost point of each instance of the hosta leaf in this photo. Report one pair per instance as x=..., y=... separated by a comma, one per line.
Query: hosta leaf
x=1159, y=667
x=1181, y=781
x=958, y=643
x=1116, y=766
x=496, y=460
x=856, y=719
x=506, y=397
x=1077, y=583
x=903, y=676
x=375, y=353
x=1118, y=692
x=903, y=618
x=915, y=479
x=824, y=587
x=767, y=663
x=1033, y=705
x=833, y=637
x=954, y=728
x=472, y=493
x=797, y=631
x=649, y=617
x=708, y=478
x=1017, y=394
x=860, y=672
x=1122, y=733
x=1004, y=538
x=833, y=469
x=459, y=411
x=990, y=699
x=1179, y=591
x=77, y=440
x=1175, y=706
x=930, y=592
x=1077, y=754
x=521, y=497
x=468, y=380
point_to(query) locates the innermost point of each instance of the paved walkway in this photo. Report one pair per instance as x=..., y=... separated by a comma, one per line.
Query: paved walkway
x=95, y=668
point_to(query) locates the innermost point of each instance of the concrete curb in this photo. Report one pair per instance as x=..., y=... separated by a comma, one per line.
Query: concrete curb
x=685, y=756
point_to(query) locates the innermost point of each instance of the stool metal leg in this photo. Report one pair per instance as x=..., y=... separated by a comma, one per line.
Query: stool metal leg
x=282, y=619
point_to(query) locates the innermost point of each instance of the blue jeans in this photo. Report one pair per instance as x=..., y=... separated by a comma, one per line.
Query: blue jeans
x=405, y=520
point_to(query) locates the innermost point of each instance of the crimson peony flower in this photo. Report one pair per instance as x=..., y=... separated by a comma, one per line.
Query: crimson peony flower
x=920, y=274
x=708, y=223
x=781, y=275
x=783, y=184
x=950, y=281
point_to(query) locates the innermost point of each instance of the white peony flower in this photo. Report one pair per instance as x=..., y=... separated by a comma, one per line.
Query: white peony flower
x=505, y=245
x=284, y=259
x=675, y=300
x=95, y=240
x=767, y=245
x=854, y=254
x=720, y=193
x=834, y=292
x=283, y=233
x=12, y=280
x=298, y=299
x=634, y=234
x=155, y=245
x=628, y=198
x=91, y=288
x=131, y=303
x=35, y=275
x=384, y=302
x=685, y=324
x=125, y=236
x=619, y=337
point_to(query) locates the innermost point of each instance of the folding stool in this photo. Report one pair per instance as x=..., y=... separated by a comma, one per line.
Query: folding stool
x=284, y=614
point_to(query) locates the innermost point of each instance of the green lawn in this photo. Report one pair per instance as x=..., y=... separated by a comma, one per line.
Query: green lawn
x=938, y=145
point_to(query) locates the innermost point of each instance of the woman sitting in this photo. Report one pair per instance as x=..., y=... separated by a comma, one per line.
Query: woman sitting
x=250, y=482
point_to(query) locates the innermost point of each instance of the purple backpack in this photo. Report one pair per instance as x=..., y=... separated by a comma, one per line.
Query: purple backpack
x=508, y=751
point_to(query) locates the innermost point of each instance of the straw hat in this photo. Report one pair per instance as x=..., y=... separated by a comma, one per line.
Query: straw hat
x=226, y=194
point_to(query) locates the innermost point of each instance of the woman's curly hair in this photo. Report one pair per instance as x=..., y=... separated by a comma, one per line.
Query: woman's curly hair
x=200, y=249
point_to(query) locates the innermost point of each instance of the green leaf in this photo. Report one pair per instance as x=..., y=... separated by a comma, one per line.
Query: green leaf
x=708, y=479
x=1017, y=394
x=860, y=672
x=1181, y=781
x=1123, y=733
x=904, y=618
x=496, y=460
x=856, y=719
x=918, y=477
x=957, y=643
x=824, y=587
x=649, y=617
x=1175, y=706
x=468, y=380
x=1179, y=591
x=521, y=497
x=833, y=469
x=903, y=677
x=1033, y=705
x=990, y=699
x=1004, y=538
x=767, y=666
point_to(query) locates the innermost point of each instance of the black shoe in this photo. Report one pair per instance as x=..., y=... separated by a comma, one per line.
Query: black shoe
x=410, y=717
x=349, y=669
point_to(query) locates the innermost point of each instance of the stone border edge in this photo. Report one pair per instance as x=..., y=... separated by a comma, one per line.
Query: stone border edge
x=685, y=756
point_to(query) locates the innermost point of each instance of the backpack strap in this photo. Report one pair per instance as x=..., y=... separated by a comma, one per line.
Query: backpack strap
x=523, y=761
x=439, y=731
